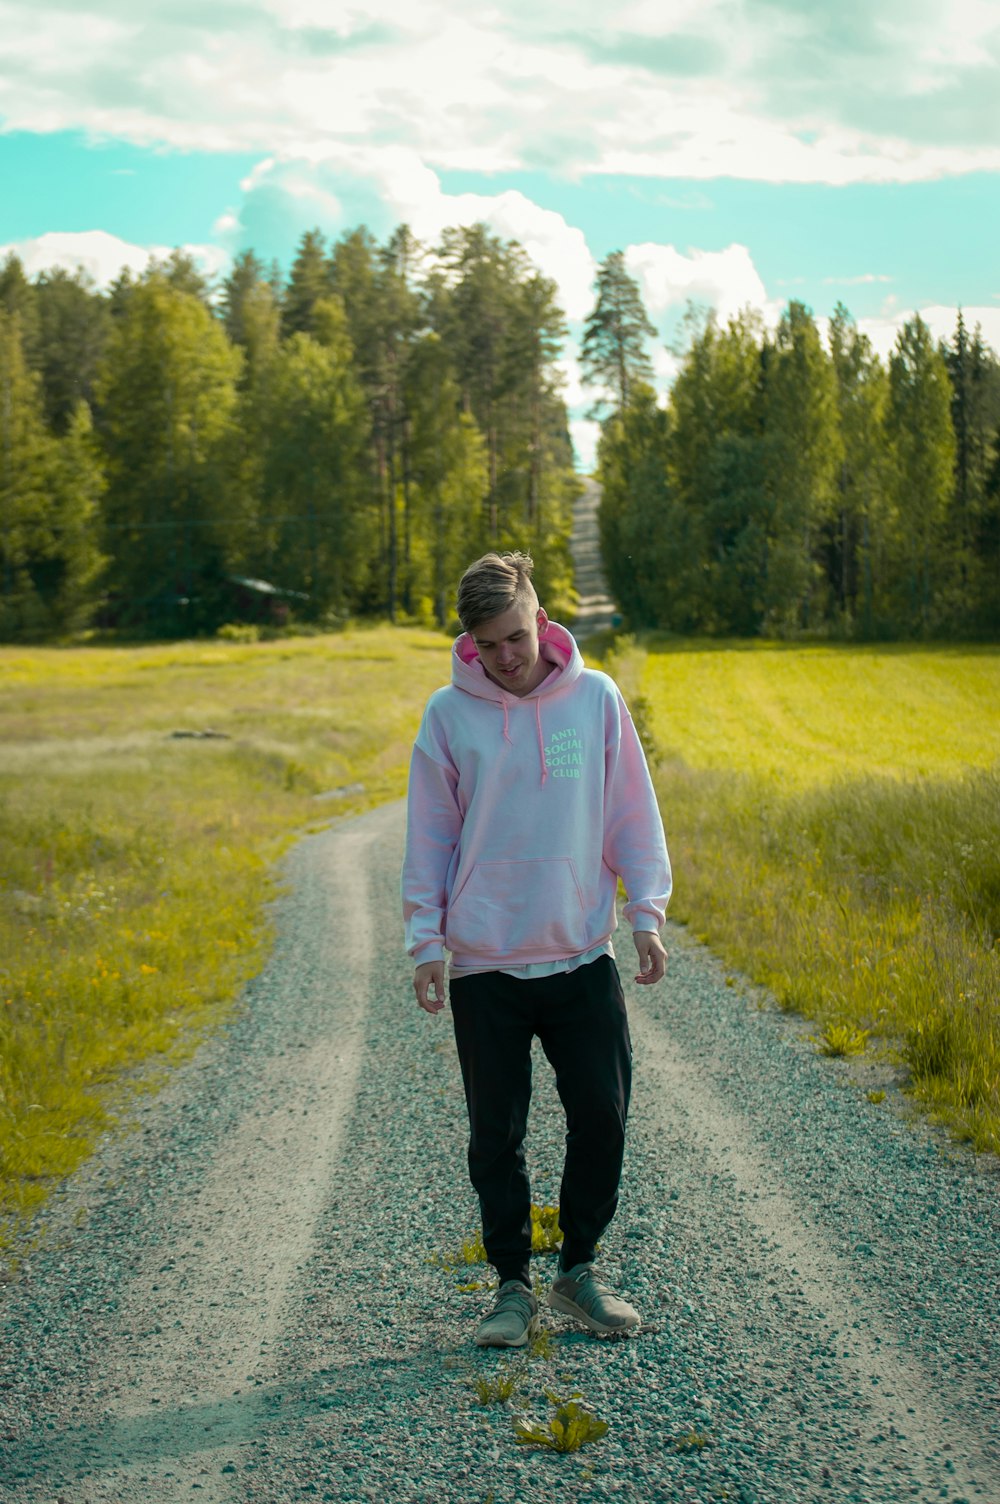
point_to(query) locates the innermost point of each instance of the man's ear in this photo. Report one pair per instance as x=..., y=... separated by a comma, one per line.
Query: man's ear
x=542, y=620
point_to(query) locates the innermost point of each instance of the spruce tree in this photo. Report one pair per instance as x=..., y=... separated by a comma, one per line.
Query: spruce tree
x=309, y=281
x=922, y=441
x=859, y=530
x=802, y=452
x=74, y=322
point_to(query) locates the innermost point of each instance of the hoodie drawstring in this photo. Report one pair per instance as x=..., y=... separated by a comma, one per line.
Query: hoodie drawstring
x=541, y=742
x=538, y=725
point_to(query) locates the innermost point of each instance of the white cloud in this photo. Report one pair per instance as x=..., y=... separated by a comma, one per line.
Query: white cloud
x=940, y=318
x=573, y=391
x=102, y=255
x=383, y=187
x=726, y=281
x=665, y=367
x=585, y=435
x=884, y=91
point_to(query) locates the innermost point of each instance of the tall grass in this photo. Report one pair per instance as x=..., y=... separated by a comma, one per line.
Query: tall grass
x=136, y=864
x=861, y=898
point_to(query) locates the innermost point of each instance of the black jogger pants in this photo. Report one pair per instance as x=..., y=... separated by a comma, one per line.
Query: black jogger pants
x=580, y=1019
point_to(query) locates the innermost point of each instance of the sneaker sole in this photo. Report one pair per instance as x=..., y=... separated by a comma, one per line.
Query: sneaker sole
x=530, y=1332
x=570, y=1308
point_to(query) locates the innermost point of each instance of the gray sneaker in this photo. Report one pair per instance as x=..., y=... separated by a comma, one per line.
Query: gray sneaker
x=579, y=1293
x=513, y=1320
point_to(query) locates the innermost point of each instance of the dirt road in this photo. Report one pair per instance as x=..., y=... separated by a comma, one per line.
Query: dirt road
x=255, y=1295
x=596, y=608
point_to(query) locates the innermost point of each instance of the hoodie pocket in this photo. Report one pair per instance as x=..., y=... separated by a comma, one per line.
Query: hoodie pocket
x=506, y=908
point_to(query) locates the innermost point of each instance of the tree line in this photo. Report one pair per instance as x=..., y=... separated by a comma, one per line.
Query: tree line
x=341, y=442
x=794, y=485
x=175, y=456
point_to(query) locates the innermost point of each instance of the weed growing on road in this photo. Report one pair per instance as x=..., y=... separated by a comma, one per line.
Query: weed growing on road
x=500, y=1388
x=692, y=1441
x=572, y=1425
x=542, y=1345
x=546, y=1237
x=546, y=1234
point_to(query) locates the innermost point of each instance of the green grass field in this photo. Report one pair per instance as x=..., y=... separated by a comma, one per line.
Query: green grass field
x=834, y=819
x=137, y=863
x=833, y=816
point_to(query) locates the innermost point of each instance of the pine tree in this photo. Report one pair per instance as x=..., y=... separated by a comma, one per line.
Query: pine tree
x=613, y=356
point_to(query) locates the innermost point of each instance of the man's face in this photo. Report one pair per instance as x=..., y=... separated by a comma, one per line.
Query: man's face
x=508, y=647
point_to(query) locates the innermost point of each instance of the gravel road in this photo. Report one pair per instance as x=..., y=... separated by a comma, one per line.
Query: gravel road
x=249, y=1296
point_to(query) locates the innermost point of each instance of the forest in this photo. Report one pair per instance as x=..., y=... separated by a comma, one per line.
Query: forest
x=179, y=459
x=176, y=459
x=792, y=486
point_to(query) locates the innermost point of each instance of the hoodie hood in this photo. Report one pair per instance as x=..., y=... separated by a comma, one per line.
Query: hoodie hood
x=555, y=644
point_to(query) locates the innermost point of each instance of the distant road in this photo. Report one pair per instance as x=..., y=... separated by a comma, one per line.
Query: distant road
x=596, y=606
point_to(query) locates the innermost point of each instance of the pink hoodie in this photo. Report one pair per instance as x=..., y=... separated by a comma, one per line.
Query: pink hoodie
x=523, y=813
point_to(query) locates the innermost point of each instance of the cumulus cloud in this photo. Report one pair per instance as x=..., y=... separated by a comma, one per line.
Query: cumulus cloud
x=103, y=256
x=726, y=281
x=940, y=318
x=383, y=187
x=894, y=90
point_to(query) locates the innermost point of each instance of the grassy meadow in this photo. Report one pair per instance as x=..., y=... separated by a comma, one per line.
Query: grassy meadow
x=136, y=863
x=834, y=819
x=833, y=816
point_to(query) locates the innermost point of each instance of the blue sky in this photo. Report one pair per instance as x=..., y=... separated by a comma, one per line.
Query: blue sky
x=739, y=151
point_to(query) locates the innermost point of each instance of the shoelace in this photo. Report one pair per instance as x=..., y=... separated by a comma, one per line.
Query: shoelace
x=589, y=1291
x=513, y=1299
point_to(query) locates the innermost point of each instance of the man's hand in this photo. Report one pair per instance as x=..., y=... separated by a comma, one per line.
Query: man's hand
x=652, y=956
x=428, y=984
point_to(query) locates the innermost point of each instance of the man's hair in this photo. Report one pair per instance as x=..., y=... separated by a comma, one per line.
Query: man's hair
x=492, y=585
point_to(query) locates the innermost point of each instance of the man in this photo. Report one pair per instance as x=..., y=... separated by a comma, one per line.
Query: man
x=529, y=797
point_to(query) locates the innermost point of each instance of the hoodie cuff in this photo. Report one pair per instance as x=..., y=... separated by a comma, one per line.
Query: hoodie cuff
x=431, y=950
